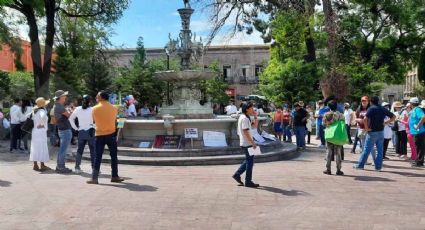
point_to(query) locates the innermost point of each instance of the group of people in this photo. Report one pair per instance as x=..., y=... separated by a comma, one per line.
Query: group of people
x=96, y=127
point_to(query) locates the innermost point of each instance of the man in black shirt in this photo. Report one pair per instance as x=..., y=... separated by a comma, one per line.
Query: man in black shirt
x=299, y=125
x=374, y=125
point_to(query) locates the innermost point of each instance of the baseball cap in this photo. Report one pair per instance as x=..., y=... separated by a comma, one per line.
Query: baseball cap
x=414, y=100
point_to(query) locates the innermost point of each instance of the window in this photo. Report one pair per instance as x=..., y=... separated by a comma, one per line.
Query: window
x=226, y=71
x=258, y=70
x=245, y=70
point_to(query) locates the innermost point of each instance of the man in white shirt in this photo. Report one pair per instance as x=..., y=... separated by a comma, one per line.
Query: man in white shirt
x=231, y=108
x=348, y=115
x=85, y=131
x=16, y=117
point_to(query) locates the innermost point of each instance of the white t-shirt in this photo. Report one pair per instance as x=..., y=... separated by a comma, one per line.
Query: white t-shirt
x=132, y=110
x=243, y=124
x=85, y=118
x=347, y=116
x=388, y=132
x=16, y=115
x=231, y=109
x=401, y=126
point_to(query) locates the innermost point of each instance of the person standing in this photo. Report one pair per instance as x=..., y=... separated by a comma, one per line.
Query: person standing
x=374, y=126
x=39, y=151
x=323, y=109
x=85, y=131
x=278, y=123
x=309, y=125
x=16, y=117
x=417, y=129
x=231, y=108
x=348, y=116
x=333, y=150
x=410, y=137
x=64, y=129
x=105, y=117
x=387, y=132
x=401, y=140
x=26, y=111
x=245, y=124
x=360, y=115
x=299, y=123
x=286, y=125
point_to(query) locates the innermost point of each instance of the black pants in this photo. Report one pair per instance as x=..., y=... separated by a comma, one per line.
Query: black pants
x=386, y=142
x=401, y=145
x=348, y=134
x=15, y=133
x=308, y=137
x=420, y=148
x=100, y=142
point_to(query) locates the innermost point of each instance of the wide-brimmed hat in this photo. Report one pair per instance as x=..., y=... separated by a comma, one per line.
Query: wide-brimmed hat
x=414, y=100
x=397, y=104
x=385, y=104
x=60, y=93
x=41, y=102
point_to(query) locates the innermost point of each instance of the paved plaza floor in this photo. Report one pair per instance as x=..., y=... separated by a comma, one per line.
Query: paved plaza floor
x=295, y=194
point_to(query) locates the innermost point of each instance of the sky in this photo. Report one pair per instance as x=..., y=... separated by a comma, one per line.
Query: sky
x=155, y=19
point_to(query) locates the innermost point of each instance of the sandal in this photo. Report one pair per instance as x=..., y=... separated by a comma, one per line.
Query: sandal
x=44, y=168
x=36, y=168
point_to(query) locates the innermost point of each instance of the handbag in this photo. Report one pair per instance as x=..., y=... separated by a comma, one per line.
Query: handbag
x=336, y=133
x=28, y=125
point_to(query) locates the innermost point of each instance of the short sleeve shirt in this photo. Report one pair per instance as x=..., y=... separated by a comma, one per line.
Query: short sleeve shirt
x=415, y=116
x=62, y=121
x=244, y=123
x=299, y=116
x=376, y=115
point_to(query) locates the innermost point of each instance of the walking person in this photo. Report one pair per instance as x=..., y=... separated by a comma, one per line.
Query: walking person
x=410, y=137
x=278, y=123
x=16, y=117
x=299, y=125
x=417, y=129
x=64, y=129
x=85, y=130
x=348, y=117
x=333, y=149
x=245, y=124
x=105, y=117
x=401, y=140
x=39, y=151
x=374, y=126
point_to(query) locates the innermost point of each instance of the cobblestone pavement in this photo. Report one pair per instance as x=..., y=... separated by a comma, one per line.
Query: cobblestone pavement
x=294, y=195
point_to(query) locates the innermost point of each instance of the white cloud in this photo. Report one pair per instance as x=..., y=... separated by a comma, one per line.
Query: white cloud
x=240, y=38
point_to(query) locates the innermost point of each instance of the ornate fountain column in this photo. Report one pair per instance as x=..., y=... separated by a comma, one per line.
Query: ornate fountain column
x=186, y=94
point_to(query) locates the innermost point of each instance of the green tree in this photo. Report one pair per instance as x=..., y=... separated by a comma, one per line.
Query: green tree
x=215, y=89
x=421, y=67
x=33, y=12
x=4, y=85
x=21, y=85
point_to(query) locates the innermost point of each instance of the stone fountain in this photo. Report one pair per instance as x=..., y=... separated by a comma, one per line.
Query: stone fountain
x=186, y=94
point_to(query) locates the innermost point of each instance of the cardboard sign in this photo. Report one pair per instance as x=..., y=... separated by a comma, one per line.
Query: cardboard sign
x=167, y=141
x=190, y=133
x=214, y=139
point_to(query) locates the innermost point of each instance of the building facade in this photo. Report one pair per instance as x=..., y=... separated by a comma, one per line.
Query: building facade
x=411, y=82
x=240, y=64
x=7, y=58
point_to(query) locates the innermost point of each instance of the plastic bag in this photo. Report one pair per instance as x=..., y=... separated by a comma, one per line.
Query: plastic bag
x=336, y=133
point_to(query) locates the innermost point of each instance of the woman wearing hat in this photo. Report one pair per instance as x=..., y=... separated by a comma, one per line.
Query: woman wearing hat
x=39, y=151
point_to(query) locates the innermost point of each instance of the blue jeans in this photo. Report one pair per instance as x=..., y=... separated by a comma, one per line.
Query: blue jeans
x=111, y=142
x=287, y=136
x=85, y=137
x=65, y=140
x=300, y=135
x=322, y=134
x=247, y=166
x=372, y=139
x=372, y=153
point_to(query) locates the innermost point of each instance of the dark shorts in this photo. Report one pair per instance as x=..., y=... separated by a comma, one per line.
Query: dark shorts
x=277, y=127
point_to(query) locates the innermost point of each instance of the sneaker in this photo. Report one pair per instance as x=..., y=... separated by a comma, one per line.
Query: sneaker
x=92, y=181
x=357, y=167
x=238, y=179
x=117, y=179
x=340, y=173
x=63, y=170
x=252, y=185
x=327, y=172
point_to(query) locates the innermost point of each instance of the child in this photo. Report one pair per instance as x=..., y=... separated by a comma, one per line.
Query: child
x=328, y=119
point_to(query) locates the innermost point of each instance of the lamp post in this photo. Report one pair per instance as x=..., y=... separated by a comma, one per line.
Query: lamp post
x=167, y=52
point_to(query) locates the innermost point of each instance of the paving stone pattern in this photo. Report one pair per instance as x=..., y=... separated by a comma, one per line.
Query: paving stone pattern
x=294, y=195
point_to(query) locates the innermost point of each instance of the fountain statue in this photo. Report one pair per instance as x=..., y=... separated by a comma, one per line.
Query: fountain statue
x=186, y=94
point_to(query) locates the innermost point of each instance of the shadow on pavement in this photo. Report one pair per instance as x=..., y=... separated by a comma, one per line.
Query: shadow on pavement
x=370, y=178
x=133, y=187
x=284, y=192
x=4, y=183
x=401, y=167
x=407, y=174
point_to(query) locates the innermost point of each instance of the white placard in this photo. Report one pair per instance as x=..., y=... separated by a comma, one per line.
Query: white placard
x=214, y=139
x=144, y=144
x=254, y=152
x=191, y=133
x=257, y=136
x=268, y=136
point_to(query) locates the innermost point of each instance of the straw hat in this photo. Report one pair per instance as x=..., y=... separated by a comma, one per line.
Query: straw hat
x=41, y=102
x=397, y=104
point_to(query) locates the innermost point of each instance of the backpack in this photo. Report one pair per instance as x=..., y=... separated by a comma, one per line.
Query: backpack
x=28, y=125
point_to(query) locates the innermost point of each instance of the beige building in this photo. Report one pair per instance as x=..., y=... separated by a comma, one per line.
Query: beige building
x=240, y=64
x=411, y=82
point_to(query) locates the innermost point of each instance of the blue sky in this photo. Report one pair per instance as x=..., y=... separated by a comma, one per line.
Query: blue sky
x=154, y=19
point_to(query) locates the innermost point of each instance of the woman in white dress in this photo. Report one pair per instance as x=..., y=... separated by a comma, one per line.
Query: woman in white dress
x=39, y=150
